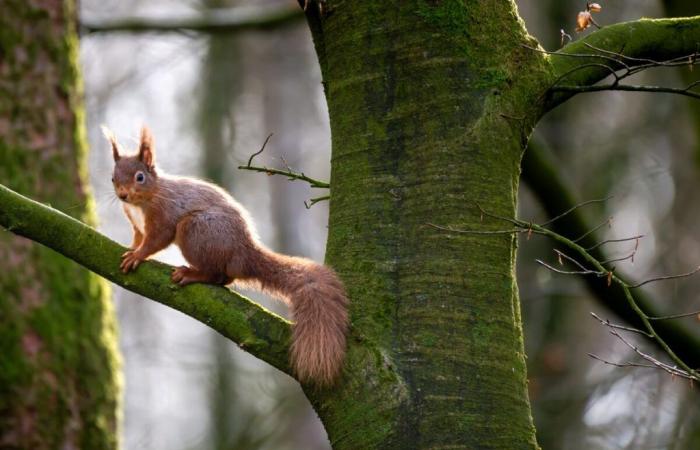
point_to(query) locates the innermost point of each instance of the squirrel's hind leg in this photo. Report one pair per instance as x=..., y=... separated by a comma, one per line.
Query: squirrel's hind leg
x=187, y=275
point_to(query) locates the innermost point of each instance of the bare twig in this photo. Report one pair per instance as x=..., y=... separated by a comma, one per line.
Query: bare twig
x=668, y=277
x=289, y=173
x=609, y=241
x=607, y=323
x=626, y=87
x=574, y=208
x=593, y=230
x=673, y=370
x=453, y=230
x=570, y=272
x=653, y=362
x=267, y=139
x=677, y=316
x=623, y=258
x=625, y=364
x=313, y=201
x=619, y=63
x=599, y=270
x=561, y=255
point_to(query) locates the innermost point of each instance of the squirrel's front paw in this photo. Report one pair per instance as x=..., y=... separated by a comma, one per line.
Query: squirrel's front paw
x=130, y=261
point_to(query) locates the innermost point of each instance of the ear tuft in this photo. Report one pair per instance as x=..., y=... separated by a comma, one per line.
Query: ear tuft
x=147, y=153
x=112, y=140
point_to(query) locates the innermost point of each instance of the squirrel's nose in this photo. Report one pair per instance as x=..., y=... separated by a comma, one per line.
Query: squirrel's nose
x=122, y=195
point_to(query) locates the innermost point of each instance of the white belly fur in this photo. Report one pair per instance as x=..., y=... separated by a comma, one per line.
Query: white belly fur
x=136, y=216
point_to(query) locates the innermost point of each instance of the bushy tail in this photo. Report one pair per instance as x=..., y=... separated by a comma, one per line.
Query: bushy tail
x=319, y=308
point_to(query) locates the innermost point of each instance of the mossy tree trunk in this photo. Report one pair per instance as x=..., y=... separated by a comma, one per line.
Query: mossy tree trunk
x=430, y=107
x=59, y=385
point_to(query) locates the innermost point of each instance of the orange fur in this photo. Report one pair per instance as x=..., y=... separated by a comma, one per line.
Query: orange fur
x=217, y=239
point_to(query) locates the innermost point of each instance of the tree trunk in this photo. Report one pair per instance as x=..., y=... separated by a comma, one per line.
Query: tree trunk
x=430, y=107
x=59, y=383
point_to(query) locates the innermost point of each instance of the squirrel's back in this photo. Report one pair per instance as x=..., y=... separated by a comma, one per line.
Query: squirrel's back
x=187, y=194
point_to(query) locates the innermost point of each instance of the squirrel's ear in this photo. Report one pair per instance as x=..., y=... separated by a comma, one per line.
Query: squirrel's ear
x=112, y=140
x=147, y=153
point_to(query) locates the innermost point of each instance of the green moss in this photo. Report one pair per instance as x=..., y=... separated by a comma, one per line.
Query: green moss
x=419, y=135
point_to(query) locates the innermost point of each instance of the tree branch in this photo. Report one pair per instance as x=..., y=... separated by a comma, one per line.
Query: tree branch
x=626, y=87
x=589, y=60
x=212, y=21
x=600, y=271
x=255, y=329
x=540, y=173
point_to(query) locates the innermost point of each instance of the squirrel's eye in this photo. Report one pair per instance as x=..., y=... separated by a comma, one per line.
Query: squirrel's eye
x=112, y=179
x=140, y=177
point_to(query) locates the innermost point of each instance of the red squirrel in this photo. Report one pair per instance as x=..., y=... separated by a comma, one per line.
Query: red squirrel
x=216, y=237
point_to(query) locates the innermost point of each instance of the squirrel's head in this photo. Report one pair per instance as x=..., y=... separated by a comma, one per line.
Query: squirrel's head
x=134, y=176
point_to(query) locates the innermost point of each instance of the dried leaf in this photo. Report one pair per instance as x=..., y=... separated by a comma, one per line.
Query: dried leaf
x=583, y=21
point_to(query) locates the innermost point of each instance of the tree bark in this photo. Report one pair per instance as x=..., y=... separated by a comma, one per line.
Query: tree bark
x=430, y=106
x=59, y=370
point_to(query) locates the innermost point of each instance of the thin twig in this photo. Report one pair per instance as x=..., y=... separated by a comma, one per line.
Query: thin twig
x=570, y=272
x=515, y=222
x=593, y=230
x=600, y=271
x=625, y=364
x=627, y=70
x=625, y=87
x=574, y=208
x=561, y=254
x=313, y=201
x=676, y=316
x=623, y=258
x=573, y=55
x=668, y=277
x=673, y=370
x=267, y=139
x=289, y=173
x=453, y=230
x=608, y=241
x=607, y=323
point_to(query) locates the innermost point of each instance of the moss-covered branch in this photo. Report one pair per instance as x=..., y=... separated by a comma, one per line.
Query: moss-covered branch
x=256, y=330
x=586, y=61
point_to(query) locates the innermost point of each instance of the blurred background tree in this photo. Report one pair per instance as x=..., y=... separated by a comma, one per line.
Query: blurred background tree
x=59, y=370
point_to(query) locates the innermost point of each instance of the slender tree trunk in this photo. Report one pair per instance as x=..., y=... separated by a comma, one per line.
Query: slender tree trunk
x=59, y=384
x=430, y=112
